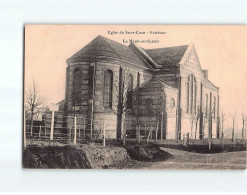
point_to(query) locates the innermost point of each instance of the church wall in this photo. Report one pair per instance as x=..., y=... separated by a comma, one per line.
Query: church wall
x=150, y=104
x=160, y=96
x=214, y=93
x=102, y=114
x=171, y=121
x=188, y=120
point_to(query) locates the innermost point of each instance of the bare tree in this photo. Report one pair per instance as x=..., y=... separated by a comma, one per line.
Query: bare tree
x=197, y=119
x=192, y=121
x=233, y=117
x=222, y=124
x=205, y=121
x=122, y=91
x=34, y=102
x=243, y=125
x=208, y=120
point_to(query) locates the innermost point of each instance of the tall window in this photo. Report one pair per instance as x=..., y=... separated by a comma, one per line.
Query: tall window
x=206, y=105
x=130, y=92
x=108, y=86
x=188, y=95
x=77, y=77
x=192, y=93
x=214, y=106
x=138, y=79
x=195, y=94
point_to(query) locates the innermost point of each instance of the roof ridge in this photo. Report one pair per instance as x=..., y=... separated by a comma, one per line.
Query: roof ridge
x=167, y=47
x=161, y=80
x=112, y=41
x=110, y=46
x=144, y=53
x=210, y=82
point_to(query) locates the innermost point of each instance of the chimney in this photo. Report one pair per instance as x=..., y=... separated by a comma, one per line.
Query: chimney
x=205, y=73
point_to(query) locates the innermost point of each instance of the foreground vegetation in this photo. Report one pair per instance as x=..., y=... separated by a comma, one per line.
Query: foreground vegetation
x=191, y=160
x=161, y=155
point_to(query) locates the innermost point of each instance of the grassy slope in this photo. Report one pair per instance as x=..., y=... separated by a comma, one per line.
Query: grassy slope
x=189, y=160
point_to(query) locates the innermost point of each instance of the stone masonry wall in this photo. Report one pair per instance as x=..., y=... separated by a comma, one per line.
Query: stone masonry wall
x=84, y=109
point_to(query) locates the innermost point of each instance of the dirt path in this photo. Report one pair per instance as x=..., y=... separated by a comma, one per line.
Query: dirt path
x=189, y=160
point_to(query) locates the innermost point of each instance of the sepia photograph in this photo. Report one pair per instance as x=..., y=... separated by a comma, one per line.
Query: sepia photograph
x=134, y=97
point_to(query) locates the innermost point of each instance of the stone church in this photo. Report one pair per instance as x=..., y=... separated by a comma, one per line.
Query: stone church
x=165, y=88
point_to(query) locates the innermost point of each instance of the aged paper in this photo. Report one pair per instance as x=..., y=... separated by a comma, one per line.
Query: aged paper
x=135, y=96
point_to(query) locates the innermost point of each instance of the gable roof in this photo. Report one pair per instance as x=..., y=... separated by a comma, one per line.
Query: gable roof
x=104, y=47
x=208, y=83
x=154, y=78
x=144, y=56
x=168, y=56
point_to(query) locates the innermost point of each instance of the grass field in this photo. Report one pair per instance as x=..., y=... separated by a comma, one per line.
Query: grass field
x=179, y=158
x=190, y=160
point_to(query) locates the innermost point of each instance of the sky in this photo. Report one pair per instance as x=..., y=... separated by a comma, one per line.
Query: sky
x=221, y=50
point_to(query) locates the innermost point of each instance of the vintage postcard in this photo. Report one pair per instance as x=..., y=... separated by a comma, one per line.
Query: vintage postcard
x=135, y=97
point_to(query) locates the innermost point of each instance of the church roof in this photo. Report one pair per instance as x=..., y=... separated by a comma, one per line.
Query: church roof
x=208, y=83
x=167, y=56
x=102, y=46
x=154, y=78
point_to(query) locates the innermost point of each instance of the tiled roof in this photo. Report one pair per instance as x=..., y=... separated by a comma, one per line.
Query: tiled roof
x=102, y=46
x=167, y=56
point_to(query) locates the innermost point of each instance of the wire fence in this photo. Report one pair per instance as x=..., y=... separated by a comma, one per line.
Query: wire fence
x=79, y=130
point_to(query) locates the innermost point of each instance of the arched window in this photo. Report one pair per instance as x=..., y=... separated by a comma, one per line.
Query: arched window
x=130, y=92
x=195, y=94
x=108, y=86
x=214, y=106
x=138, y=79
x=188, y=94
x=172, y=103
x=191, y=93
x=77, y=77
x=206, y=105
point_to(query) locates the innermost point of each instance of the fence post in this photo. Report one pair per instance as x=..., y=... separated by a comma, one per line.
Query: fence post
x=45, y=128
x=124, y=135
x=24, y=130
x=149, y=135
x=39, y=130
x=91, y=129
x=124, y=139
x=151, y=129
x=84, y=128
x=31, y=132
x=138, y=134
x=145, y=127
x=156, y=132
x=209, y=144
x=104, y=133
x=69, y=134
x=75, y=130
x=52, y=125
